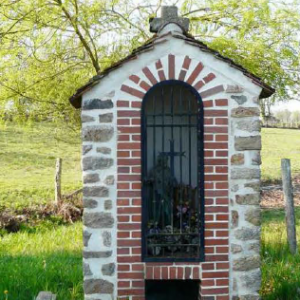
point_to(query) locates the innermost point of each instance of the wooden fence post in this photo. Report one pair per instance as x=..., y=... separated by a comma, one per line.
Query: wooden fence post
x=58, y=181
x=289, y=204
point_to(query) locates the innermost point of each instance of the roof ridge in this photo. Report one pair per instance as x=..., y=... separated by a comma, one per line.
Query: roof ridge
x=75, y=99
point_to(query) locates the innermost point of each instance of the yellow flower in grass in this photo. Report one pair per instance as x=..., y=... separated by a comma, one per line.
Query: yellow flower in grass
x=44, y=264
x=5, y=292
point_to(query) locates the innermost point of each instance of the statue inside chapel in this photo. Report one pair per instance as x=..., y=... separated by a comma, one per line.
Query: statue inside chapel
x=163, y=183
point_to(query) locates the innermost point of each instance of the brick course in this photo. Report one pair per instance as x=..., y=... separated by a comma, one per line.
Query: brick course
x=132, y=272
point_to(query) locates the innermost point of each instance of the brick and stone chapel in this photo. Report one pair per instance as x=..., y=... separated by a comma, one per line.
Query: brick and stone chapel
x=171, y=172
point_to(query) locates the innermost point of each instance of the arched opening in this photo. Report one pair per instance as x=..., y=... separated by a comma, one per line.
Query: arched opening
x=172, y=173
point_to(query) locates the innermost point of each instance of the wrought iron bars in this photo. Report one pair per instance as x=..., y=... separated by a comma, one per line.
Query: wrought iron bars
x=172, y=170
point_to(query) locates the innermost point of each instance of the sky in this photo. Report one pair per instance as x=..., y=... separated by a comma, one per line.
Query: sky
x=291, y=105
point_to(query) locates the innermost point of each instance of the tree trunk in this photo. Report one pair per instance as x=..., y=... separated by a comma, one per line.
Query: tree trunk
x=289, y=204
x=58, y=181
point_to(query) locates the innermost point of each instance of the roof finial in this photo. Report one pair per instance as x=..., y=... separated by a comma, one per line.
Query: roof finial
x=169, y=14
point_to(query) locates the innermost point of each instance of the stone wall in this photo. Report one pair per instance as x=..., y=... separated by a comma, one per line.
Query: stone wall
x=111, y=162
x=99, y=193
x=245, y=161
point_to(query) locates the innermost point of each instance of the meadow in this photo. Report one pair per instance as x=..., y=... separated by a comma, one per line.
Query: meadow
x=276, y=144
x=280, y=269
x=27, y=156
x=48, y=256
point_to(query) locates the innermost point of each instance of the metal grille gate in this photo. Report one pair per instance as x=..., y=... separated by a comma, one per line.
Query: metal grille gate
x=172, y=173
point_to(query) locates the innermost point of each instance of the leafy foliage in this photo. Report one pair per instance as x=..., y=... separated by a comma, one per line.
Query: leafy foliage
x=51, y=47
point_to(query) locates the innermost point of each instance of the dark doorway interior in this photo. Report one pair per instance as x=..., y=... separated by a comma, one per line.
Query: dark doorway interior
x=172, y=289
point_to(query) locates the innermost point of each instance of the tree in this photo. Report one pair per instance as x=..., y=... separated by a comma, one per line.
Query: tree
x=296, y=118
x=51, y=47
x=284, y=116
x=261, y=35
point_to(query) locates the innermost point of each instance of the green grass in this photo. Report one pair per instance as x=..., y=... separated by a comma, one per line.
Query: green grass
x=280, y=269
x=277, y=144
x=41, y=259
x=48, y=257
x=27, y=156
x=28, y=153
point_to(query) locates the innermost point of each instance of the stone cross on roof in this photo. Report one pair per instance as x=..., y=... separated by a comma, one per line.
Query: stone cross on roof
x=169, y=14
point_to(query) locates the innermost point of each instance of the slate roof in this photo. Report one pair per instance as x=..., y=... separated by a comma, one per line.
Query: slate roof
x=75, y=100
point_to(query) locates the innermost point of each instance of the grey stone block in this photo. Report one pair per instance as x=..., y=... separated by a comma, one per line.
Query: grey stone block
x=96, y=163
x=95, y=191
x=253, y=216
x=248, y=125
x=103, y=150
x=98, y=286
x=253, y=185
x=237, y=159
x=106, y=118
x=86, y=149
x=231, y=89
x=97, y=104
x=96, y=254
x=106, y=236
x=90, y=203
x=239, y=99
x=86, y=237
x=247, y=234
x=108, y=269
x=236, y=248
x=247, y=143
x=98, y=220
x=97, y=133
x=86, y=269
x=234, y=219
x=246, y=263
x=46, y=296
x=245, y=112
x=91, y=178
x=245, y=173
x=85, y=119
x=109, y=180
x=248, y=199
x=108, y=204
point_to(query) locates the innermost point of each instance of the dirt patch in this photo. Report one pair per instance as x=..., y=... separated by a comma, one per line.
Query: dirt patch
x=272, y=195
x=274, y=199
x=68, y=211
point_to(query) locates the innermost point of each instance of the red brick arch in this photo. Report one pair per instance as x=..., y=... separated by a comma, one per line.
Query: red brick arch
x=132, y=272
x=193, y=78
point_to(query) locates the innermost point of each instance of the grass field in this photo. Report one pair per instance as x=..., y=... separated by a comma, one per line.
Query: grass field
x=280, y=270
x=27, y=156
x=277, y=144
x=48, y=257
x=45, y=258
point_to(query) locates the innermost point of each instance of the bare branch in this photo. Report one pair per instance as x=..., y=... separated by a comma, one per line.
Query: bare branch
x=85, y=44
x=205, y=9
x=142, y=31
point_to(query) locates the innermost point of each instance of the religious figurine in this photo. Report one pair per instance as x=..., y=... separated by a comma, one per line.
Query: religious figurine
x=163, y=184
